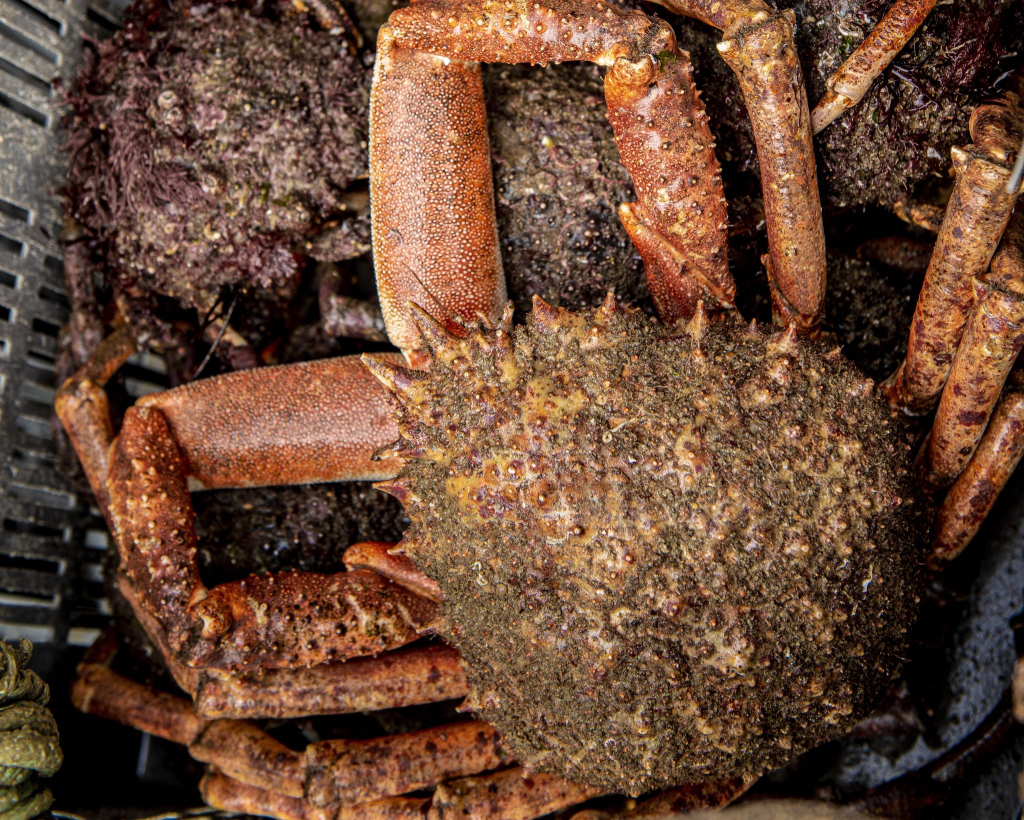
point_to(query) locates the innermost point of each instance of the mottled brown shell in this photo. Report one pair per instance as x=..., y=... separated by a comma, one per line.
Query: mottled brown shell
x=666, y=554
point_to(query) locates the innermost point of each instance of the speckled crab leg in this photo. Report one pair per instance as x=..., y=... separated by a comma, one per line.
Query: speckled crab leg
x=435, y=236
x=851, y=81
x=682, y=800
x=679, y=222
x=382, y=559
x=987, y=352
x=758, y=45
x=244, y=623
x=508, y=794
x=82, y=407
x=971, y=497
x=420, y=674
x=977, y=214
x=222, y=792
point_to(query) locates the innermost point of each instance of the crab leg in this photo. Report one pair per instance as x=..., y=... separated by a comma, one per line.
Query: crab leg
x=435, y=237
x=508, y=794
x=424, y=674
x=991, y=343
x=758, y=45
x=681, y=800
x=978, y=212
x=851, y=81
x=382, y=559
x=247, y=429
x=344, y=772
x=680, y=220
x=971, y=498
x=81, y=405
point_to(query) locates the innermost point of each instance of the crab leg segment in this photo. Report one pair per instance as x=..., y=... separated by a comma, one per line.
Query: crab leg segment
x=978, y=212
x=851, y=81
x=288, y=619
x=509, y=794
x=971, y=498
x=758, y=45
x=679, y=224
x=250, y=428
x=344, y=772
x=435, y=238
x=423, y=674
x=987, y=352
x=383, y=559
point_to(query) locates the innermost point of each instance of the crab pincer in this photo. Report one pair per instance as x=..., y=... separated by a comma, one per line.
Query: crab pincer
x=678, y=224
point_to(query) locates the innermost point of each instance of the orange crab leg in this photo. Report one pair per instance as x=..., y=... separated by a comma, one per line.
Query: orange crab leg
x=852, y=80
x=344, y=772
x=680, y=220
x=758, y=45
x=970, y=499
x=987, y=352
x=291, y=424
x=422, y=674
x=244, y=623
x=435, y=236
x=509, y=794
x=976, y=217
x=383, y=559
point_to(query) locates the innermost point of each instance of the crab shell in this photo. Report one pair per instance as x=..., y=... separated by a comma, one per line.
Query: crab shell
x=666, y=554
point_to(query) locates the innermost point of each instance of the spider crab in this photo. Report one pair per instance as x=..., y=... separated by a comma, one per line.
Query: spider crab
x=548, y=442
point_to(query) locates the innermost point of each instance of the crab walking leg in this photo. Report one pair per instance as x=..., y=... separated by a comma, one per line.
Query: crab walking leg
x=423, y=674
x=851, y=81
x=344, y=772
x=82, y=407
x=976, y=216
x=679, y=223
x=508, y=794
x=290, y=424
x=287, y=619
x=246, y=753
x=383, y=559
x=713, y=794
x=435, y=236
x=971, y=498
x=987, y=352
x=758, y=45
x=222, y=792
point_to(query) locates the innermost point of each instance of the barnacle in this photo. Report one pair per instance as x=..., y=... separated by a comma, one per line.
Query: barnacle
x=667, y=555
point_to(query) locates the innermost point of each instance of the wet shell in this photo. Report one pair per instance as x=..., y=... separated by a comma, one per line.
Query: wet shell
x=666, y=554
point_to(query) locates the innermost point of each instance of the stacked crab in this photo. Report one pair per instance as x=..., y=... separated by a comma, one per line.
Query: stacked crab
x=663, y=557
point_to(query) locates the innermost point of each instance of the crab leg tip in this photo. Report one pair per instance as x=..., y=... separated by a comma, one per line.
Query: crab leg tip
x=401, y=381
x=436, y=336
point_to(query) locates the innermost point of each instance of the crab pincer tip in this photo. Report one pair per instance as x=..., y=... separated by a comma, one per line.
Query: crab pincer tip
x=434, y=333
x=399, y=380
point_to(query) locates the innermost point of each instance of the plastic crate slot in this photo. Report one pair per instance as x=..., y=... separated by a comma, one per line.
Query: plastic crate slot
x=16, y=36
x=38, y=15
x=12, y=525
x=44, y=497
x=41, y=359
x=38, y=393
x=29, y=113
x=5, y=352
x=44, y=327
x=26, y=562
x=83, y=636
x=101, y=20
x=54, y=296
x=96, y=539
x=15, y=212
x=54, y=264
x=9, y=243
x=93, y=573
x=37, y=458
x=6, y=314
x=35, y=427
x=37, y=633
x=8, y=280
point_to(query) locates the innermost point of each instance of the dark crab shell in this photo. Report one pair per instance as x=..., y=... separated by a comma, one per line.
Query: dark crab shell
x=667, y=555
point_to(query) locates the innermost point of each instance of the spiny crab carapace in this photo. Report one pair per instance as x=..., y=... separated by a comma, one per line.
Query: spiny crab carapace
x=670, y=553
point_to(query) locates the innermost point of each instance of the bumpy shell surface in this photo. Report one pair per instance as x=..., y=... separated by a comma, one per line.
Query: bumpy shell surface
x=666, y=555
